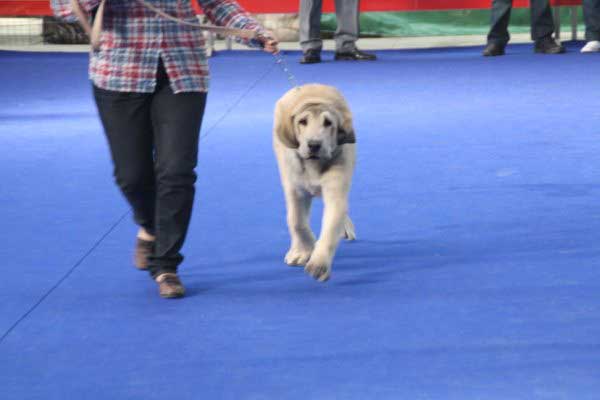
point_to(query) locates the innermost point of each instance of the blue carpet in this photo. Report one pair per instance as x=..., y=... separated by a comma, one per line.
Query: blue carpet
x=476, y=273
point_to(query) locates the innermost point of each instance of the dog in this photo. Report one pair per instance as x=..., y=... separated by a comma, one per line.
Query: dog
x=314, y=143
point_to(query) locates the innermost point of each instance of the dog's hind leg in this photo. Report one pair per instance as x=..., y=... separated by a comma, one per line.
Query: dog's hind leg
x=349, y=233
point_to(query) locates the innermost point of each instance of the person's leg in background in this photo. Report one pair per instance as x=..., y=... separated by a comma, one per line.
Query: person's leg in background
x=542, y=28
x=498, y=35
x=126, y=121
x=310, y=31
x=347, y=15
x=176, y=121
x=591, y=15
x=346, y=34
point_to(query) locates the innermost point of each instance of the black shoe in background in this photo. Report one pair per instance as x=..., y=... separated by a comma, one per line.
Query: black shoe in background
x=548, y=45
x=493, y=49
x=354, y=55
x=311, y=57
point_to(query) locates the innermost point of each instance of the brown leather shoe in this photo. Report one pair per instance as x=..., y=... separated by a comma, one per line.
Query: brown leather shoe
x=143, y=250
x=169, y=286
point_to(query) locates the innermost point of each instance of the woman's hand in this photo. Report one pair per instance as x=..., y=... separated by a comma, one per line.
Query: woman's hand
x=269, y=42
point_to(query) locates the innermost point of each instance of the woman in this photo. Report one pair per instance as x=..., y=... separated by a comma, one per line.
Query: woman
x=150, y=79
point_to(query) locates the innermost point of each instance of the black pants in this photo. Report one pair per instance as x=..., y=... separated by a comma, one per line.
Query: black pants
x=591, y=14
x=153, y=139
x=542, y=24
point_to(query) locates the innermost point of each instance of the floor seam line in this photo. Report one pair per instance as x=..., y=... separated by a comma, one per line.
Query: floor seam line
x=63, y=278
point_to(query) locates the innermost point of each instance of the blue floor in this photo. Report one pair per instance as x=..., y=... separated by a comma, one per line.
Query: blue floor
x=476, y=274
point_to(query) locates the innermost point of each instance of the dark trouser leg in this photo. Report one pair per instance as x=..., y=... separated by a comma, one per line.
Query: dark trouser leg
x=591, y=14
x=310, y=24
x=542, y=24
x=176, y=121
x=347, y=15
x=126, y=121
x=500, y=17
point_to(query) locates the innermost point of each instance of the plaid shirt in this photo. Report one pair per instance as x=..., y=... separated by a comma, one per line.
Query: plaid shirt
x=134, y=38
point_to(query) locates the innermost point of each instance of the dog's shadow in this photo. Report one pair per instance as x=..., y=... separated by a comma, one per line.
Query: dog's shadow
x=365, y=262
x=360, y=262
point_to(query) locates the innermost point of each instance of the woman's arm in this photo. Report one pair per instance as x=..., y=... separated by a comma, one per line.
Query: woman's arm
x=62, y=8
x=229, y=13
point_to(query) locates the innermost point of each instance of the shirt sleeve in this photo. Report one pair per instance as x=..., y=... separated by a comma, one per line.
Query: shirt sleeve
x=62, y=8
x=230, y=14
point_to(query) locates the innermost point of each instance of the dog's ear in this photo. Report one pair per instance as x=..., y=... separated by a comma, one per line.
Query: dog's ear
x=346, y=129
x=284, y=127
x=346, y=136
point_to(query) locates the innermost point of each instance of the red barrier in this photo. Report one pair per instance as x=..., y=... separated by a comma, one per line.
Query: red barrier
x=42, y=7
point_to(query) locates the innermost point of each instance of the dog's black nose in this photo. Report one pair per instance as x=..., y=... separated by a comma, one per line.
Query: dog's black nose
x=314, y=146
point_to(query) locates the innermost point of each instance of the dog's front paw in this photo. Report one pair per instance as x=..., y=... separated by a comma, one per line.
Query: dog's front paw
x=297, y=257
x=319, y=267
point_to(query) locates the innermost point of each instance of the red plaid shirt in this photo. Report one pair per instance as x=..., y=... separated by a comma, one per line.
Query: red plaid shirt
x=134, y=38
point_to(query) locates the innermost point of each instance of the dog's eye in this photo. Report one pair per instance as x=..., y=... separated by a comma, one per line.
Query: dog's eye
x=303, y=122
x=326, y=122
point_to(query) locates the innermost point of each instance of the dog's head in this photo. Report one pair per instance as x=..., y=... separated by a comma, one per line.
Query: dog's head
x=316, y=127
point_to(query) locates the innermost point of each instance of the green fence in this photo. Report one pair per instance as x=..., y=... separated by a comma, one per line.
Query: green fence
x=438, y=23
